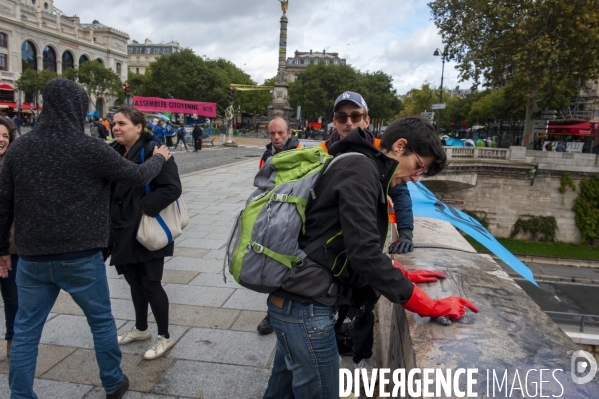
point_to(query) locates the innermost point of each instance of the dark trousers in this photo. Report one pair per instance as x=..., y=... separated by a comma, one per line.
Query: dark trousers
x=169, y=141
x=8, y=287
x=197, y=144
x=362, y=312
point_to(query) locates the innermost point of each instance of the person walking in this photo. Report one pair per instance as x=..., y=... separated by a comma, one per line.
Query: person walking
x=141, y=267
x=169, y=133
x=54, y=198
x=159, y=131
x=18, y=123
x=181, y=133
x=222, y=129
x=197, y=134
x=8, y=286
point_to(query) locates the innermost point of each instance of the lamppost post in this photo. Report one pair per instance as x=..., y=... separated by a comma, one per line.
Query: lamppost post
x=443, y=57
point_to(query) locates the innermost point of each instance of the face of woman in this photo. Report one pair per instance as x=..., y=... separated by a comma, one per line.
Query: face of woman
x=4, y=139
x=411, y=165
x=125, y=132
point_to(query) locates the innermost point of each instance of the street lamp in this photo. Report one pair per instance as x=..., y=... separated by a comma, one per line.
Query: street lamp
x=443, y=58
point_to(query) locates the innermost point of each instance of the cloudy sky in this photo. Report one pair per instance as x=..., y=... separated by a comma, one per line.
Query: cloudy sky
x=395, y=36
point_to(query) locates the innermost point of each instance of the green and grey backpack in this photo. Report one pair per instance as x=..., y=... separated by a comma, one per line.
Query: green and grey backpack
x=263, y=244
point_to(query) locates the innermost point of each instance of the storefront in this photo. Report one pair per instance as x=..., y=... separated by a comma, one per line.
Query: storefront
x=577, y=135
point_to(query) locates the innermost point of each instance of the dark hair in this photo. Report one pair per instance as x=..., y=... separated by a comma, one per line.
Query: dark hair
x=133, y=114
x=11, y=127
x=421, y=138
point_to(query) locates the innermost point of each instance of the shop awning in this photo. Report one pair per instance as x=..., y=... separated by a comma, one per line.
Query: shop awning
x=576, y=129
x=7, y=87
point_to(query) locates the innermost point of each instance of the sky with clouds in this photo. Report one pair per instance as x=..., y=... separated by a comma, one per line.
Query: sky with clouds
x=394, y=36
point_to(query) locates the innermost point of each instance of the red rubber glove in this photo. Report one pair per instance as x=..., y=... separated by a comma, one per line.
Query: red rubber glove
x=425, y=306
x=420, y=276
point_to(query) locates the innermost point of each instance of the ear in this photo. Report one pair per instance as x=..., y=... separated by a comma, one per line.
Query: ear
x=399, y=145
x=367, y=120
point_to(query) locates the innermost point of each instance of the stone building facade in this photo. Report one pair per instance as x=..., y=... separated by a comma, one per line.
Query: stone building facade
x=36, y=35
x=142, y=54
x=301, y=59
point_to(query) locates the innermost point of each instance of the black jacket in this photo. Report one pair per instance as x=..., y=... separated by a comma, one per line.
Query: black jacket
x=127, y=204
x=351, y=197
x=197, y=132
x=292, y=143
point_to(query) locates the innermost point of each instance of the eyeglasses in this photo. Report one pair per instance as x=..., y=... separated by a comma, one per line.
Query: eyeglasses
x=355, y=117
x=422, y=168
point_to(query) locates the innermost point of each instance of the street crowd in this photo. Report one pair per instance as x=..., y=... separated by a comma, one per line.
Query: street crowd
x=62, y=217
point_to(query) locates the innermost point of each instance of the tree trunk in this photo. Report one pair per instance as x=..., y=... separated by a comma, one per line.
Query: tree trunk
x=529, y=125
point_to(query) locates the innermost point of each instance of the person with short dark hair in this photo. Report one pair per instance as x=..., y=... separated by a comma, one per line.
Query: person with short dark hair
x=351, y=200
x=53, y=181
x=181, y=133
x=197, y=134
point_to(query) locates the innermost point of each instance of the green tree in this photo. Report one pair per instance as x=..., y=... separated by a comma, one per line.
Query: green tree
x=100, y=82
x=419, y=100
x=71, y=74
x=378, y=92
x=537, y=45
x=32, y=83
x=136, y=83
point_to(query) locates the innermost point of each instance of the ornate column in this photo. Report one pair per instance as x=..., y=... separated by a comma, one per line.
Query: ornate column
x=279, y=105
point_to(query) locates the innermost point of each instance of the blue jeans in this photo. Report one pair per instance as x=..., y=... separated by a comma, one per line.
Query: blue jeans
x=39, y=283
x=306, y=364
x=8, y=287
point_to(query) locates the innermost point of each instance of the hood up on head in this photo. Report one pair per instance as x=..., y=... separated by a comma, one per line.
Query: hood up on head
x=65, y=106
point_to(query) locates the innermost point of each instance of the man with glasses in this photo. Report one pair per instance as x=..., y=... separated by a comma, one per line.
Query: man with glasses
x=351, y=111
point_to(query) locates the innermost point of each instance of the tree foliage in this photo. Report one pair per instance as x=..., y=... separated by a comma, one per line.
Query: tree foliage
x=185, y=75
x=542, y=46
x=99, y=81
x=32, y=82
x=586, y=208
x=317, y=88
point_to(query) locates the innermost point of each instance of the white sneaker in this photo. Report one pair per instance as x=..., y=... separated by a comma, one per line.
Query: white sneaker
x=159, y=348
x=134, y=335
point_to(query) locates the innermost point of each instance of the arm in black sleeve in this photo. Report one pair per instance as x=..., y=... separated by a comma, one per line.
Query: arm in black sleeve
x=6, y=206
x=167, y=189
x=358, y=189
x=115, y=168
x=402, y=205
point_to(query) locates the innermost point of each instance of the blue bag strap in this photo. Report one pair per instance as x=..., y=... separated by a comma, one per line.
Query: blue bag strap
x=143, y=159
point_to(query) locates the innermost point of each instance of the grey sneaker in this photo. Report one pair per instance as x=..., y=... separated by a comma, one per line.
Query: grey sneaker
x=134, y=335
x=159, y=348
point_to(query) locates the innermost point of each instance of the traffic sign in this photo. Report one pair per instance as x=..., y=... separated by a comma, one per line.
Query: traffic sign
x=548, y=112
x=439, y=106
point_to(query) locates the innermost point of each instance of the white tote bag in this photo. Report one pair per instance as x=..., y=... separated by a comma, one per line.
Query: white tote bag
x=155, y=233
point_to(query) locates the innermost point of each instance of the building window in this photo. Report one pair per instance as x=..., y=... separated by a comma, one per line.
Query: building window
x=148, y=50
x=147, y=59
x=137, y=70
x=49, y=59
x=3, y=40
x=118, y=68
x=3, y=66
x=28, y=56
x=68, y=61
x=137, y=59
x=156, y=50
x=83, y=59
x=46, y=6
x=33, y=2
x=315, y=61
x=100, y=61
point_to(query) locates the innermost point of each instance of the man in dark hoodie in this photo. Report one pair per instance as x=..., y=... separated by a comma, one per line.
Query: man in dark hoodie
x=352, y=199
x=51, y=184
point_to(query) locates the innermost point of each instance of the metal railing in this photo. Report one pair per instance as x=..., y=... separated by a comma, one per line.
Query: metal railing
x=582, y=317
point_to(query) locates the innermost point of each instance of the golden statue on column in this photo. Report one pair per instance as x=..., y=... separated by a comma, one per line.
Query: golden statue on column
x=284, y=6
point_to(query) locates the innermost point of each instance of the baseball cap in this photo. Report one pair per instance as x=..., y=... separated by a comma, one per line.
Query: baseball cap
x=350, y=96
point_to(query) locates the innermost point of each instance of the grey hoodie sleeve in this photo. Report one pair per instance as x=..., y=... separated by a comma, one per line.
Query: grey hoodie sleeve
x=116, y=168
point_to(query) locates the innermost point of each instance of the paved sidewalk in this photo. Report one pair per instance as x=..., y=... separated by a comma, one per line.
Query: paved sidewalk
x=218, y=353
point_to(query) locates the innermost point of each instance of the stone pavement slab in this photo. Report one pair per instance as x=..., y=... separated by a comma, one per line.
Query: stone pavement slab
x=248, y=320
x=46, y=389
x=214, y=381
x=194, y=264
x=221, y=346
x=81, y=368
x=68, y=330
x=247, y=300
x=201, y=316
x=215, y=280
x=47, y=357
x=197, y=295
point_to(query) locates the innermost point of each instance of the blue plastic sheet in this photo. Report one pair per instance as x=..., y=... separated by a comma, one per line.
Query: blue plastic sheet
x=425, y=203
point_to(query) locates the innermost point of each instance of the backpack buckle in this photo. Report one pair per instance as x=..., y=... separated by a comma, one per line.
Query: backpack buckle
x=257, y=248
x=278, y=197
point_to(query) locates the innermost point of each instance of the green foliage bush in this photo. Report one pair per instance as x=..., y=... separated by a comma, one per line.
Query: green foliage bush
x=586, y=207
x=543, y=227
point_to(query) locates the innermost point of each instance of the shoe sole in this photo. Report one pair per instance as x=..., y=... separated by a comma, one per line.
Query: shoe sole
x=133, y=340
x=159, y=356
